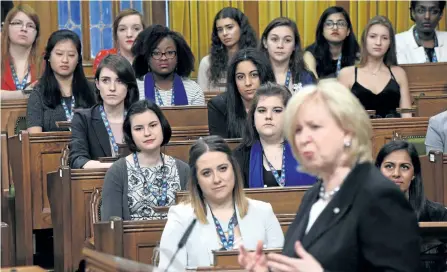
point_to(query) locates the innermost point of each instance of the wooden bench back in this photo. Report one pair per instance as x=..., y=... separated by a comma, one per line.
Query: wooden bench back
x=426, y=78
x=187, y=122
x=70, y=194
x=428, y=106
x=385, y=129
x=284, y=200
x=100, y=262
x=13, y=113
x=32, y=156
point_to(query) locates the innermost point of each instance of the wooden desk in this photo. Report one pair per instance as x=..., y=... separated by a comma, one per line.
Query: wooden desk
x=426, y=78
x=69, y=192
x=101, y=262
x=12, y=111
x=24, y=269
x=32, y=156
x=428, y=106
x=228, y=258
x=180, y=149
x=187, y=122
x=284, y=200
x=434, y=173
x=386, y=128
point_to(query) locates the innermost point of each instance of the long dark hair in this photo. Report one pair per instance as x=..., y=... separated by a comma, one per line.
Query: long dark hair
x=218, y=51
x=322, y=55
x=236, y=114
x=148, y=40
x=416, y=190
x=296, y=64
x=125, y=73
x=48, y=84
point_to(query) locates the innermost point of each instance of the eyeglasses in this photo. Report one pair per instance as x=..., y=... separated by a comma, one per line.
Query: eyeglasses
x=20, y=25
x=432, y=11
x=339, y=24
x=156, y=55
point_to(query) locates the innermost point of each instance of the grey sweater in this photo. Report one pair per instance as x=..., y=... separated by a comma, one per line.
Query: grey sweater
x=115, y=189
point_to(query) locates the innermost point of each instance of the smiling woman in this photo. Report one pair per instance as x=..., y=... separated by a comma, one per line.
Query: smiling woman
x=147, y=178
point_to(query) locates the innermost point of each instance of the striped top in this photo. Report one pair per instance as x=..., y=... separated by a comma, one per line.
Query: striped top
x=193, y=92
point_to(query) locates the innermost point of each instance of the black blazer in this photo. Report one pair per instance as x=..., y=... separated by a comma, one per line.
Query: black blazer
x=217, y=116
x=89, y=139
x=368, y=226
x=433, y=212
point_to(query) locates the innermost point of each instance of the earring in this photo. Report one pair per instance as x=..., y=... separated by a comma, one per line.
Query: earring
x=347, y=143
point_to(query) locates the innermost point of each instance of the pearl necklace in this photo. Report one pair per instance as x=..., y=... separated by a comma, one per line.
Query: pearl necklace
x=328, y=195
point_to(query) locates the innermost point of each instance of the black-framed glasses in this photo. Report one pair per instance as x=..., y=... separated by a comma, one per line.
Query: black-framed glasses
x=432, y=11
x=168, y=54
x=339, y=24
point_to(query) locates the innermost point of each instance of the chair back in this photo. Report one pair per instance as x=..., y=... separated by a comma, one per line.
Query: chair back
x=95, y=208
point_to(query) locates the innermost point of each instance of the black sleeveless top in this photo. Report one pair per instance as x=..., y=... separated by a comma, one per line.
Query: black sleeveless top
x=384, y=103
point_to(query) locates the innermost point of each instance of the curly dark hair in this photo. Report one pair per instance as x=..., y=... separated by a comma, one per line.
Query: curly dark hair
x=218, y=52
x=296, y=64
x=148, y=40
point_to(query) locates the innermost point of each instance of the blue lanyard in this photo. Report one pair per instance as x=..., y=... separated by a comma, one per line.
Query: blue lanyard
x=226, y=243
x=162, y=196
x=338, y=65
x=160, y=101
x=280, y=180
x=19, y=86
x=289, y=75
x=109, y=129
x=418, y=41
x=68, y=113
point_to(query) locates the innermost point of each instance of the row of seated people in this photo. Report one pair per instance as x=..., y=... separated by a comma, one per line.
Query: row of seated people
x=339, y=213
x=169, y=60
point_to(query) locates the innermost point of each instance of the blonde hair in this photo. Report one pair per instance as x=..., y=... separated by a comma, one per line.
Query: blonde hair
x=390, y=57
x=196, y=198
x=31, y=13
x=346, y=110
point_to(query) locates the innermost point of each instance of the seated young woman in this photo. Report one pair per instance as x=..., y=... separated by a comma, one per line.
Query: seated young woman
x=227, y=112
x=231, y=32
x=163, y=62
x=126, y=27
x=335, y=45
x=264, y=156
x=226, y=218
x=147, y=178
x=20, y=37
x=281, y=44
x=62, y=87
x=399, y=161
x=97, y=131
x=378, y=82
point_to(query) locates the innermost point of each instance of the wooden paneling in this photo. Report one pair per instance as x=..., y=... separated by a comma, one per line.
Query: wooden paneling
x=11, y=111
x=69, y=192
x=32, y=156
x=427, y=106
x=100, y=262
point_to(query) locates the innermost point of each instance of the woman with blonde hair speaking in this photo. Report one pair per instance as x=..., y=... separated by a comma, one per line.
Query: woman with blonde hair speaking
x=354, y=219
